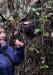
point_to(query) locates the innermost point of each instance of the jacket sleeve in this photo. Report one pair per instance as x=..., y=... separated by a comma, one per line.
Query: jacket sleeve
x=19, y=55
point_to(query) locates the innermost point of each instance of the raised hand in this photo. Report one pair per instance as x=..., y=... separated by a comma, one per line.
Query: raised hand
x=18, y=43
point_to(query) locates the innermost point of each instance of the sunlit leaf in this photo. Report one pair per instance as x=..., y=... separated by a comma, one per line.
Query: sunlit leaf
x=45, y=34
x=37, y=30
x=45, y=66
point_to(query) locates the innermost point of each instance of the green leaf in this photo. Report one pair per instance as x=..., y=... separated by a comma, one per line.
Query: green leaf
x=45, y=34
x=41, y=67
x=33, y=9
x=36, y=9
x=45, y=66
x=37, y=30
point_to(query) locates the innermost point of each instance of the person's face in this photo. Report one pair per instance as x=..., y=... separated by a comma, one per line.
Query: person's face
x=2, y=35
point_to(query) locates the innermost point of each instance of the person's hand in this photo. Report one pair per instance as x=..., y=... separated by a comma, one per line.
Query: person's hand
x=18, y=43
x=52, y=34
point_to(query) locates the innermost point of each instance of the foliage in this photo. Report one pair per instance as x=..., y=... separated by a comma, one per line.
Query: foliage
x=38, y=48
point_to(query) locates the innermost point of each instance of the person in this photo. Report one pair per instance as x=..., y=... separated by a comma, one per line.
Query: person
x=8, y=56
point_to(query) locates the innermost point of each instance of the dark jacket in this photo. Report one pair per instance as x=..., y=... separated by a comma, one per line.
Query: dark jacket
x=9, y=58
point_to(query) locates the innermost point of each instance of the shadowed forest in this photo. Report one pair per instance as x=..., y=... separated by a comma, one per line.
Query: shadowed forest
x=31, y=21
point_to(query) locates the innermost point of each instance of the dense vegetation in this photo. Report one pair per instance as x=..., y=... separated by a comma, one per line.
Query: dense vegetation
x=31, y=21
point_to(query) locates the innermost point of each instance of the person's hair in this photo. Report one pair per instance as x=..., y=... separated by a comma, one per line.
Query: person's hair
x=2, y=25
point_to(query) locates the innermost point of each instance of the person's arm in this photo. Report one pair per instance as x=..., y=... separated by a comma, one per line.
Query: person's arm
x=19, y=56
